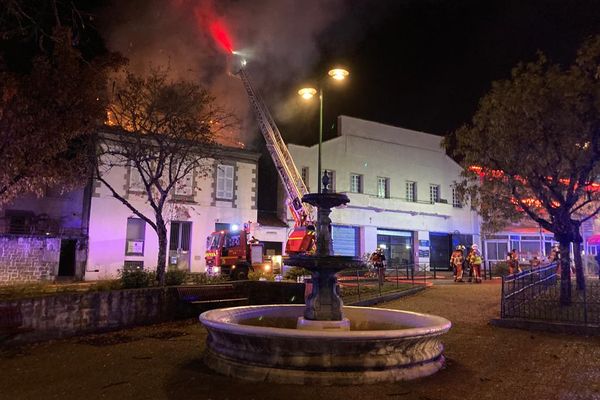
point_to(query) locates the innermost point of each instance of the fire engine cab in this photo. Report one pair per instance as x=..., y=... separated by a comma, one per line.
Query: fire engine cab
x=234, y=253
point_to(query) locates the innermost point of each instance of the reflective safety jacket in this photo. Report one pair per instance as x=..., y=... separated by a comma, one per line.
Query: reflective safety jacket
x=474, y=257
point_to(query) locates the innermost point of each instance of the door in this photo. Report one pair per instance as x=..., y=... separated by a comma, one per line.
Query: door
x=179, y=245
x=66, y=262
x=440, y=251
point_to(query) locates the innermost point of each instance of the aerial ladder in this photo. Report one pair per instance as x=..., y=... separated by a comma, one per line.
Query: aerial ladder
x=234, y=253
x=301, y=239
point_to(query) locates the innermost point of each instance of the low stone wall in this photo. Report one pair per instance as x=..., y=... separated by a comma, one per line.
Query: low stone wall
x=28, y=258
x=64, y=315
x=266, y=292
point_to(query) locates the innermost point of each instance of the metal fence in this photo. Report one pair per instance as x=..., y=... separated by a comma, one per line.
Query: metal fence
x=364, y=283
x=535, y=295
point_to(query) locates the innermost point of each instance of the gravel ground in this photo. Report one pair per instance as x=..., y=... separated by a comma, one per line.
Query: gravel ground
x=164, y=362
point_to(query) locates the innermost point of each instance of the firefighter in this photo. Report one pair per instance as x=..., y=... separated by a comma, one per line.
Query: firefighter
x=555, y=257
x=513, y=262
x=456, y=261
x=377, y=259
x=475, y=260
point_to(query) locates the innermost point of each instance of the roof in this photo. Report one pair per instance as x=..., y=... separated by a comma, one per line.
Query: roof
x=266, y=218
x=218, y=150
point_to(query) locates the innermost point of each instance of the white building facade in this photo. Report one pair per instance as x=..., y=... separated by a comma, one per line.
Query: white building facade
x=118, y=238
x=400, y=185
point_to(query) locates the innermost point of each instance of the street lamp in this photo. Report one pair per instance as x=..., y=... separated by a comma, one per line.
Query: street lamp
x=338, y=74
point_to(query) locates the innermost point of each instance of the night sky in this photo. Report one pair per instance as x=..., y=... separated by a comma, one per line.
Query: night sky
x=418, y=64
x=424, y=64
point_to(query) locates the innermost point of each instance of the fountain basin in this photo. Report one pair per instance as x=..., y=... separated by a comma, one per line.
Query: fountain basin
x=260, y=343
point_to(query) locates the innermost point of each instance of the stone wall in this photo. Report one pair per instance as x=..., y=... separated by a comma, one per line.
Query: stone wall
x=64, y=315
x=28, y=258
x=72, y=314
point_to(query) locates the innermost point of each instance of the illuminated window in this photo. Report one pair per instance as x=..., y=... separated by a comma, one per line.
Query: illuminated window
x=356, y=183
x=434, y=193
x=383, y=187
x=456, y=203
x=411, y=191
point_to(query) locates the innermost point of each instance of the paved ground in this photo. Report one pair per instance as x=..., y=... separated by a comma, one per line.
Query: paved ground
x=164, y=362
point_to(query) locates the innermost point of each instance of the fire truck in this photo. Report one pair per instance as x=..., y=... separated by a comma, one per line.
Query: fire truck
x=231, y=253
x=234, y=253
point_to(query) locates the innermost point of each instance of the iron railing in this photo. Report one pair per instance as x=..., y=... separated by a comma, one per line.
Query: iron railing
x=363, y=283
x=535, y=295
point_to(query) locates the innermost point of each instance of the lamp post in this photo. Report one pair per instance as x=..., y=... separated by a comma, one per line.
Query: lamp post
x=338, y=74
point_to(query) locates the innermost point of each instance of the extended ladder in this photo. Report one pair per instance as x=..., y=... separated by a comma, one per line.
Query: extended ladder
x=292, y=180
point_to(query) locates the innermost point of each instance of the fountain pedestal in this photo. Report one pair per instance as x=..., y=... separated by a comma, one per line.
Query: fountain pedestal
x=323, y=309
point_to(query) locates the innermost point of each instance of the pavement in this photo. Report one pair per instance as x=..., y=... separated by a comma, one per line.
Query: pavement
x=165, y=362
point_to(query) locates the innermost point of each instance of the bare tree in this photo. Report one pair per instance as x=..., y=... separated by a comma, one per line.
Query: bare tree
x=166, y=133
x=534, y=147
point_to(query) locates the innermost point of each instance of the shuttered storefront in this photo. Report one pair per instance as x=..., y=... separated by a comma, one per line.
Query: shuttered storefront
x=345, y=240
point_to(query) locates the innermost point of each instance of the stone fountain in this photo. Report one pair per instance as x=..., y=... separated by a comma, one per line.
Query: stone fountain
x=323, y=342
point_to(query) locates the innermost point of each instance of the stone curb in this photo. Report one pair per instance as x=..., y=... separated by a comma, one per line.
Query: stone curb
x=387, y=297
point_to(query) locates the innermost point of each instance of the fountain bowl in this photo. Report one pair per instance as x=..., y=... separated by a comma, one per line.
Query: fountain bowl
x=261, y=343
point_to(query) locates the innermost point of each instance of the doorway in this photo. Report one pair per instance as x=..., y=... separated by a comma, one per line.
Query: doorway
x=66, y=262
x=179, y=245
x=440, y=251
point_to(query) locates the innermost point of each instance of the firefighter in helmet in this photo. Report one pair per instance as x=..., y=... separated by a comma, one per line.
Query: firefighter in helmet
x=456, y=261
x=377, y=259
x=475, y=261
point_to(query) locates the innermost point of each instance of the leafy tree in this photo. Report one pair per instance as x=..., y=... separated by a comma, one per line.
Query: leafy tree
x=533, y=147
x=166, y=134
x=51, y=97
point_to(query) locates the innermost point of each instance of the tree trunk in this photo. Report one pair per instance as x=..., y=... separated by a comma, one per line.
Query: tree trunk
x=565, y=273
x=579, y=276
x=161, y=263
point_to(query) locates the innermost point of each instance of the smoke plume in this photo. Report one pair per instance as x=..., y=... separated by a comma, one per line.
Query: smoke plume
x=278, y=37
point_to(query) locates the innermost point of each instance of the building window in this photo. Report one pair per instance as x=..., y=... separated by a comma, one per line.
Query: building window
x=411, y=191
x=356, y=183
x=224, y=182
x=305, y=177
x=331, y=176
x=129, y=265
x=496, y=250
x=185, y=186
x=136, y=233
x=434, y=193
x=136, y=184
x=383, y=187
x=179, y=244
x=456, y=203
